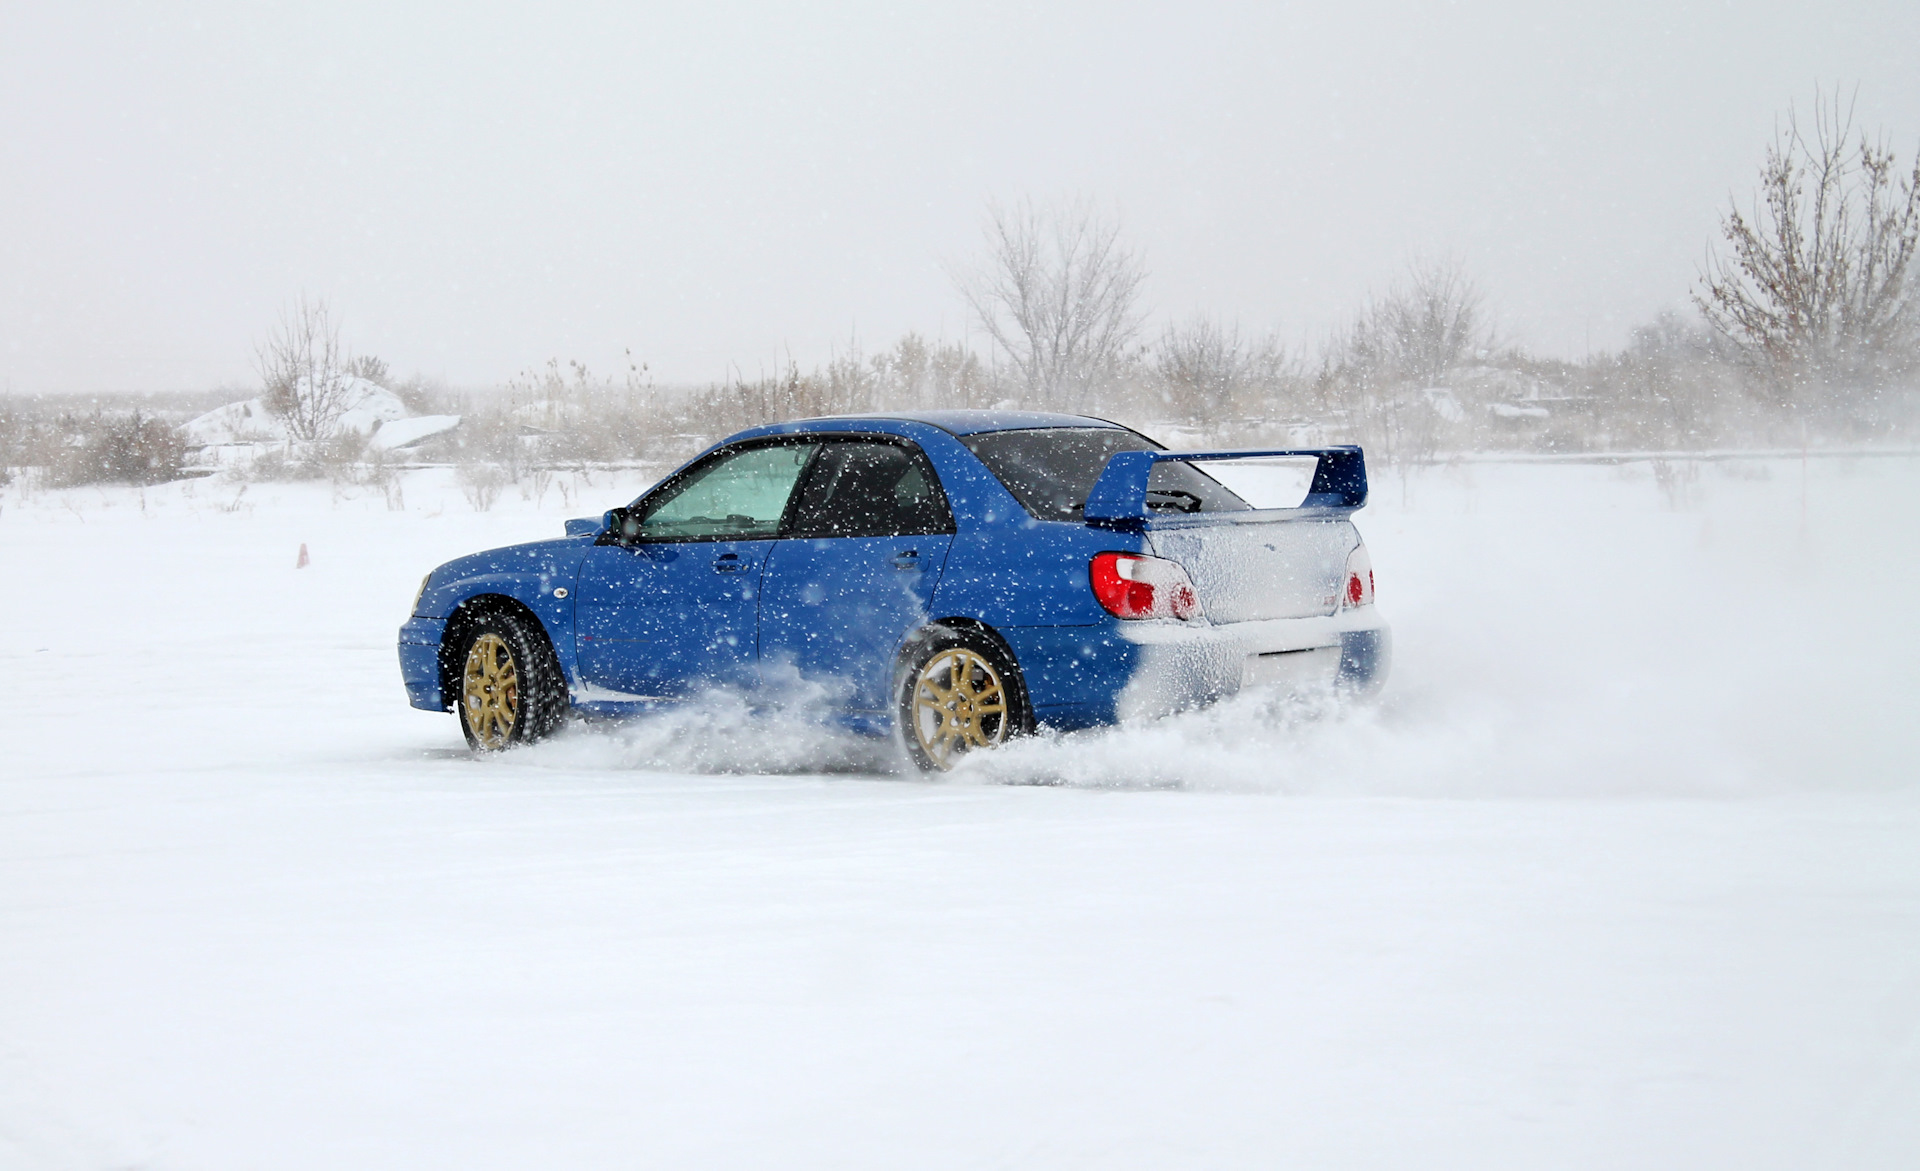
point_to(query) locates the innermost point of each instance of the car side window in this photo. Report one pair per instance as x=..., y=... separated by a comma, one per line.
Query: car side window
x=736, y=495
x=870, y=489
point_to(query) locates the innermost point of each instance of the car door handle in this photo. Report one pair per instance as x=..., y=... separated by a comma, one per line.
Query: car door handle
x=907, y=559
x=730, y=563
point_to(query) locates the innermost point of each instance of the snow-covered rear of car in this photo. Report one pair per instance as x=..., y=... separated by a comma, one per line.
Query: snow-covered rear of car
x=1284, y=594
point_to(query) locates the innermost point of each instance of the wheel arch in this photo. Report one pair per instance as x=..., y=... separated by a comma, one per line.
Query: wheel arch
x=962, y=624
x=461, y=621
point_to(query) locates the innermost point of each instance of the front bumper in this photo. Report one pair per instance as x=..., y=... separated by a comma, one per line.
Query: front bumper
x=1183, y=666
x=420, y=661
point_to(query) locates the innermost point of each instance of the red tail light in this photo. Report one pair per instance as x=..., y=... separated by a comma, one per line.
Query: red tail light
x=1359, y=589
x=1132, y=586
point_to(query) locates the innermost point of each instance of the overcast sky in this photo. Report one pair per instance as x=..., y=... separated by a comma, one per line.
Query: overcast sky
x=477, y=190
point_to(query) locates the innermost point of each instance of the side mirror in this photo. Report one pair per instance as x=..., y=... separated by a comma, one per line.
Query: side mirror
x=583, y=526
x=610, y=527
x=619, y=527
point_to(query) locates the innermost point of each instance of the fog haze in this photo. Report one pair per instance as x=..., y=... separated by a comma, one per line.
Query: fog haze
x=477, y=191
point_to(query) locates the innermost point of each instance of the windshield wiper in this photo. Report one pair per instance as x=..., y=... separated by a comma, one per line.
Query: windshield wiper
x=1179, y=501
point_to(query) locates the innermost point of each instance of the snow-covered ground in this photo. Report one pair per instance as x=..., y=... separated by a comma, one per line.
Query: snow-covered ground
x=1624, y=870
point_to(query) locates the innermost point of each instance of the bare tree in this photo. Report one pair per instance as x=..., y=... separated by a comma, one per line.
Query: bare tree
x=1213, y=371
x=1388, y=372
x=1057, y=292
x=1423, y=328
x=1200, y=363
x=1812, y=289
x=304, y=371
x=1670, y=388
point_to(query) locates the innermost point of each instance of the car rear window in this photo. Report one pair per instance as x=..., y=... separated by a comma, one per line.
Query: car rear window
x=1050, y=471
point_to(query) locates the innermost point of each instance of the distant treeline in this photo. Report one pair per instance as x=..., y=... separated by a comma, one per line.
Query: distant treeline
x=1409, y=394
x=1807, y=332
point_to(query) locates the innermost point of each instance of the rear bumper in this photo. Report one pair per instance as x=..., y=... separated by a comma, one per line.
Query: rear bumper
x=1365, y=656
x=420, y=661
x=1181, y=666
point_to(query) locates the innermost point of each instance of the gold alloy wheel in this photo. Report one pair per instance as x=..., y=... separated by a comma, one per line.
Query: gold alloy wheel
x=491, y=694
x=959, y=704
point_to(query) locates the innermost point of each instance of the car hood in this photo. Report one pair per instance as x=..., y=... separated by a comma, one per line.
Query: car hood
x=527, y=572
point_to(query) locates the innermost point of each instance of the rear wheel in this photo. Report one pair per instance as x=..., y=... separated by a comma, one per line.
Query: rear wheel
x=959, y=695
x=510, y=687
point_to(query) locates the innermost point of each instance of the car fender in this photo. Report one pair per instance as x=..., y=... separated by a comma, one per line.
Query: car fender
x=540, y=576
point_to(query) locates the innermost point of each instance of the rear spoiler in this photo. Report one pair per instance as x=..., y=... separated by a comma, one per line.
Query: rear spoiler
x=1119, y=496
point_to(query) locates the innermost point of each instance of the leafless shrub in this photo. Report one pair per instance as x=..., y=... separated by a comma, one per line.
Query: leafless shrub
x=932, y=375
x=1671, y=388
x=566, y=413
x=1678, y=481
x=1206, y=372
x=538, y=480
x=272, y=466
x=490, y=452
x=352, y=460
x=372, y=369
x=339, y=456
x=1388, y=373
x=1058, y=293
x=1420, y=330
x=131, y=449
x=303, y=371
x=481, y=483
x=1813, y=289
x=19, y=440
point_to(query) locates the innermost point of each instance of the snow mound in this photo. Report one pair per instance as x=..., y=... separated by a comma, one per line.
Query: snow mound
x=401, y=433
x=366, y=407
x=243, y=422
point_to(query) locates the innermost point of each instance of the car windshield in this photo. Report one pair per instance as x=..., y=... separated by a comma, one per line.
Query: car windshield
x=1050, y=471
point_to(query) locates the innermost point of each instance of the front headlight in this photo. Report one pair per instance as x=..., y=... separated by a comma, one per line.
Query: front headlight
x=421, y=592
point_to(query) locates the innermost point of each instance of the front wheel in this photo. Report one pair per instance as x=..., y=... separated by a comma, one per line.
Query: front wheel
x=959, y=695
x=511, y=691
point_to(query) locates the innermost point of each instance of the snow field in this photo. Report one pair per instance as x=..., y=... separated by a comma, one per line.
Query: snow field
x=1621, y=871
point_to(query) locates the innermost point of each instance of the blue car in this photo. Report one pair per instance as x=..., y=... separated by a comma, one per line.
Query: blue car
x=950, y=578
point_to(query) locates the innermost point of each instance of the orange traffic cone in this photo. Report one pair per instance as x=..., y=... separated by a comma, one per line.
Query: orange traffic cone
x=302, y=563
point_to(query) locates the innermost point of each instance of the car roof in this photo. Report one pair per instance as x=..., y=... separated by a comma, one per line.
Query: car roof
x=968, y=422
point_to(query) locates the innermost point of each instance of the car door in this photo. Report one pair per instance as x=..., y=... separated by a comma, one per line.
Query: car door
x=855, y=572
x=671, y=605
